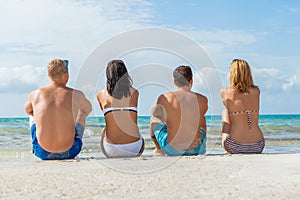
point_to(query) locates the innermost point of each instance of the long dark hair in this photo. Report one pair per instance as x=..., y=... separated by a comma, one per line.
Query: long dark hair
x=118, y=81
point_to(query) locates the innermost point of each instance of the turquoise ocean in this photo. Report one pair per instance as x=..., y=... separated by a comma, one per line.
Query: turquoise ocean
x=282, y=134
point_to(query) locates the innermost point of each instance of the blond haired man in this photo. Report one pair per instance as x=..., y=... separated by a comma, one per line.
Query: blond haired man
x=59, y=115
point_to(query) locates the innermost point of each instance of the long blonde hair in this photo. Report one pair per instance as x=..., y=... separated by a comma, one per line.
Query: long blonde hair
x=240, y=76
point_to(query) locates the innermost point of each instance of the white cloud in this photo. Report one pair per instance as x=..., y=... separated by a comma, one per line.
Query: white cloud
x=266, y=72
x=275, y=80
x=21, y=79
x=293, y=82
x=33, y=32
x=218, y=40
x=208, y=78
x=54, y=27
x=268, y=79
x=293, y=10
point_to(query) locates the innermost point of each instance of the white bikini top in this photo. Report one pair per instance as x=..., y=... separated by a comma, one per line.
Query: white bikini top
x=108, y=110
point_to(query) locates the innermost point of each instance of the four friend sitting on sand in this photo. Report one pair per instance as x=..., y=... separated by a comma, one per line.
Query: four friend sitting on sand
x=177, y=125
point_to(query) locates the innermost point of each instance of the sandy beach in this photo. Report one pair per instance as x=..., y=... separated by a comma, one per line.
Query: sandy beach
x=266, y=176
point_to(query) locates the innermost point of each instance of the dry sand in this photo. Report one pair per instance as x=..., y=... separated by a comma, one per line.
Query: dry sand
x=266, y=176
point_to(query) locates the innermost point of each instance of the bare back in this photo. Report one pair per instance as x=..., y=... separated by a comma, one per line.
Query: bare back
x=240, y=118
x=121, y=126
x=55, y=111
x=185, y=112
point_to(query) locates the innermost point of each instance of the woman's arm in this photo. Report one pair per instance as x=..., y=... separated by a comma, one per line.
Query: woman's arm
x=226, y=127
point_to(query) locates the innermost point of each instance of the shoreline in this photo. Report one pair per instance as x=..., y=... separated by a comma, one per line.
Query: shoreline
x=19, y=156
x=271, y=176
x=147, y=115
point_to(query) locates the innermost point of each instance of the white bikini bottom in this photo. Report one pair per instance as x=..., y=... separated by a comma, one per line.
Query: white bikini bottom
x=123, y=150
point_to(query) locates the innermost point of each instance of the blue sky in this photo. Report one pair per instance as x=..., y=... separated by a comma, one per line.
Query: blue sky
x=264, y=32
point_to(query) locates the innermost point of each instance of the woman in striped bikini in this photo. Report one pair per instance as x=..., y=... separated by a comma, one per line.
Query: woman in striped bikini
x=240, y=130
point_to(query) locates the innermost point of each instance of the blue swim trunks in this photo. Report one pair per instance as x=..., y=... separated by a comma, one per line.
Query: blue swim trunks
x=69, y=154
x=161, y=135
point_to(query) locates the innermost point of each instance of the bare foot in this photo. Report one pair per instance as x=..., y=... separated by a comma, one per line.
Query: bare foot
x=158, y=152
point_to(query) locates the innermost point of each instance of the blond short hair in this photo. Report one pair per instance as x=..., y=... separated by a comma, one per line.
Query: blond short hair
x=240, y=76
x=56, y=69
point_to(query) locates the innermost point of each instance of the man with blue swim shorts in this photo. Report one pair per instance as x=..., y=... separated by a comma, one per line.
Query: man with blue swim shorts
x=178, y=125
x=58, y=114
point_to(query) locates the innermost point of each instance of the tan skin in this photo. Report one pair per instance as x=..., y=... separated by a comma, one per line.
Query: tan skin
x=236, y=125
x=55, y=109
x=184, y=113
x=121, y=126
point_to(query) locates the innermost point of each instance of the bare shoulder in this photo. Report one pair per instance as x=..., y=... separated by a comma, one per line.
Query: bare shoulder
x=165, y=98
x=203, y=102
x=255, y=90
x=134, y=92
x=225, y=92
x=77, y=94
x=101, y=93
x=201, y=97
x=34, y=94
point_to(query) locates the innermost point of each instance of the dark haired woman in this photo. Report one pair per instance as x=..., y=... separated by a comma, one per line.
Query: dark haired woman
x=119, y=100
x=240, y=130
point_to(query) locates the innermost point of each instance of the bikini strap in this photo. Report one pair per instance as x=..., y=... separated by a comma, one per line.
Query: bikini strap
x=108, y=110
x=243, y=111
x=249, y=119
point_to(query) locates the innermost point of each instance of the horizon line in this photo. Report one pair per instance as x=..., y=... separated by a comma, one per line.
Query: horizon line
x=209, y=115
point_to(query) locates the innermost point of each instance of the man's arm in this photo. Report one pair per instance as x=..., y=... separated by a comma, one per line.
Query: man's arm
x=159, y=115
x=28, y=105
x=84, y=110
x=203, y=110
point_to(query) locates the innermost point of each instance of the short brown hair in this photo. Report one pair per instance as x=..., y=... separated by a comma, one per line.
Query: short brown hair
x=182, y=75
x=56, y=69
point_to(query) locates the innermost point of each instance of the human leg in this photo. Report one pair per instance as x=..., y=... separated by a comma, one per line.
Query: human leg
x=224, y=137
x=103, y=133
x=157, y=150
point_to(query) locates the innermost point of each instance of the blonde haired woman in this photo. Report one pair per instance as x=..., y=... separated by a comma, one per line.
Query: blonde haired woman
x=240, y=130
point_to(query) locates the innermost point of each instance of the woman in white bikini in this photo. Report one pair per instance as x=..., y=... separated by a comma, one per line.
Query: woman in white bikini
x=119, y=100
x=240, y=130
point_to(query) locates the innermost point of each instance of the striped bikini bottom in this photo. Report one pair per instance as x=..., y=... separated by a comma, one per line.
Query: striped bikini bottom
x=236, y=148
